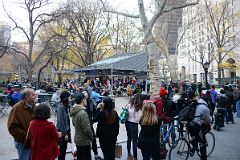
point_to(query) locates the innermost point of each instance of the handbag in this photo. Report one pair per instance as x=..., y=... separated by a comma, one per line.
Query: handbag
x=124, y=114
x=118, y=151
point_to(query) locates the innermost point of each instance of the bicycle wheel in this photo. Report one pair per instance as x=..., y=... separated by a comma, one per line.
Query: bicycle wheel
x=210, y=144
x=179, y=150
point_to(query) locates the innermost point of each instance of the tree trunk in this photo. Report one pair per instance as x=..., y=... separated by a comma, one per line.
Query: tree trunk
x=59, y=77
x=29, y=73
x=219, y=67
x=219, y=75
x=153, y=66
x=39, y=78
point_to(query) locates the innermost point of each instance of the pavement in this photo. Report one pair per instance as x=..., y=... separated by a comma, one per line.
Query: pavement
x=227, y=140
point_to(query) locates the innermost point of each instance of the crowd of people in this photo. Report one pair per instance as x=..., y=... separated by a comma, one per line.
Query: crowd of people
x=37, y=138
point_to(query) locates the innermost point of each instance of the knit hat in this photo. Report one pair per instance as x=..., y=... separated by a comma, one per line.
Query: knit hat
x=162, y=92
x=64, y=94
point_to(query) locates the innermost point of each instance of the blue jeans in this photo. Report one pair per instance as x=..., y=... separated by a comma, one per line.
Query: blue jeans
x=132, y=136
x=238, y=108
x=22, y=154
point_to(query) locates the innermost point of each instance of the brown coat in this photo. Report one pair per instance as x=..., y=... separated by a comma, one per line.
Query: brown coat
x=18, y=121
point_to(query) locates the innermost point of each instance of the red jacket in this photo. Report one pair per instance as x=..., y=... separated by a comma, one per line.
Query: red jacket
x=43, y=140
x=159, y=103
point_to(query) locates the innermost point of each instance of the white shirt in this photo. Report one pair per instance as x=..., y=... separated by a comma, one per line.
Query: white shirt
x=133, y=116
x=175, y=98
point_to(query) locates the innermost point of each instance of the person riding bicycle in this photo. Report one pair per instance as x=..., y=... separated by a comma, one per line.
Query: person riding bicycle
x=199, y=126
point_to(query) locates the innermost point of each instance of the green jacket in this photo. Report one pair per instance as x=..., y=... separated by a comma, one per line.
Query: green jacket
x=83, y=133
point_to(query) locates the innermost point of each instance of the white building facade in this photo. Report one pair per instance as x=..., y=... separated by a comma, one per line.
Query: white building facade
x=198, y=44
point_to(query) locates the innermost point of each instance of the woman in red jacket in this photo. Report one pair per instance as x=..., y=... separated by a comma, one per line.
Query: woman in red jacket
x=44, y=135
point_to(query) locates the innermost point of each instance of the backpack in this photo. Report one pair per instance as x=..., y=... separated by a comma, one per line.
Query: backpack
x=188, y=113
x=170, y=108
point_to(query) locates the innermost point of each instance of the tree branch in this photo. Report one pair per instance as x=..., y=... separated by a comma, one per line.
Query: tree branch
x=118, y=13
x=180, y=6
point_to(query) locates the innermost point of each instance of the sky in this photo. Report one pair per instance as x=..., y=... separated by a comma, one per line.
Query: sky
x=19, y=14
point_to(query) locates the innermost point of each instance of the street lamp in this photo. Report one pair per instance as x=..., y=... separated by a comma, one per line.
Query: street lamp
x=206, y=66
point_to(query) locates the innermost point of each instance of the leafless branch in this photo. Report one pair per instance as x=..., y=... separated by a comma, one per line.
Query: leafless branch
x=119, y=13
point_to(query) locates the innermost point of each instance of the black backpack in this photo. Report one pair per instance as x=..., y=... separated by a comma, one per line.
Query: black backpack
x=170, y=108
x=188, y=113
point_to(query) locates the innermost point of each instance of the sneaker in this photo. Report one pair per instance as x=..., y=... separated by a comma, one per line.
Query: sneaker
x=192, y=151
x=98, y=158
x=130, y=157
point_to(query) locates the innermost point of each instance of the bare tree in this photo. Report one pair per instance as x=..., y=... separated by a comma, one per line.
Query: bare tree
x=57, y=48
x=147, y=26
x=36, y=20
x=88, y=31
x=125, y=36
x=5, y=37
x=222, y=22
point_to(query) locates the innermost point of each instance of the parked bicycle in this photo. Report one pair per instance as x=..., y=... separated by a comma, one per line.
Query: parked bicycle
x=168, y=132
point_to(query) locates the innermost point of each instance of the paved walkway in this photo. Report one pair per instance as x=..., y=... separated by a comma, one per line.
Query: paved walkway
x=227, y=140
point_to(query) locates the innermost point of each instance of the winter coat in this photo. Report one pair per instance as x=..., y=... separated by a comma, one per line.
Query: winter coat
x=223, y=102
x=83, y=133
x=105, y=130
x=18, y=121
x=44, y=139
x=159, y=103
x=62, y=119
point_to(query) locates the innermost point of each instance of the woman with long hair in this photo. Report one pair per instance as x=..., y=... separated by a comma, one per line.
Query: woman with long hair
x=107, y=127
x=63, y=122
x=134, y=110
x=149, y=137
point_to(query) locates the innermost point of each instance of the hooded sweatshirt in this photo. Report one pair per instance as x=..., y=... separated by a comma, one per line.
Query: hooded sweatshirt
x=83, y=133
x=202, y=114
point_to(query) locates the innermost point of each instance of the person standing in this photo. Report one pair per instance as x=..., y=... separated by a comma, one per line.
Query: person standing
x=134, y=110
x=149, y=137
x=229, y=108
x=19, y=119
x=43, y=135
x=91, y=110
x=214, y=96
x=107, y=127
x=83, y=133
x=176, y=95
x=63, y=122
x=237, y=99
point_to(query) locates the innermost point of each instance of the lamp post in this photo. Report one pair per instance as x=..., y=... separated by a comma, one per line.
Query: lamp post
x=206, y=66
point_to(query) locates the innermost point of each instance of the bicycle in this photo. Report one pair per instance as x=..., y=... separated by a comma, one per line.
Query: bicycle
x=181, y=147
x=167, y=134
